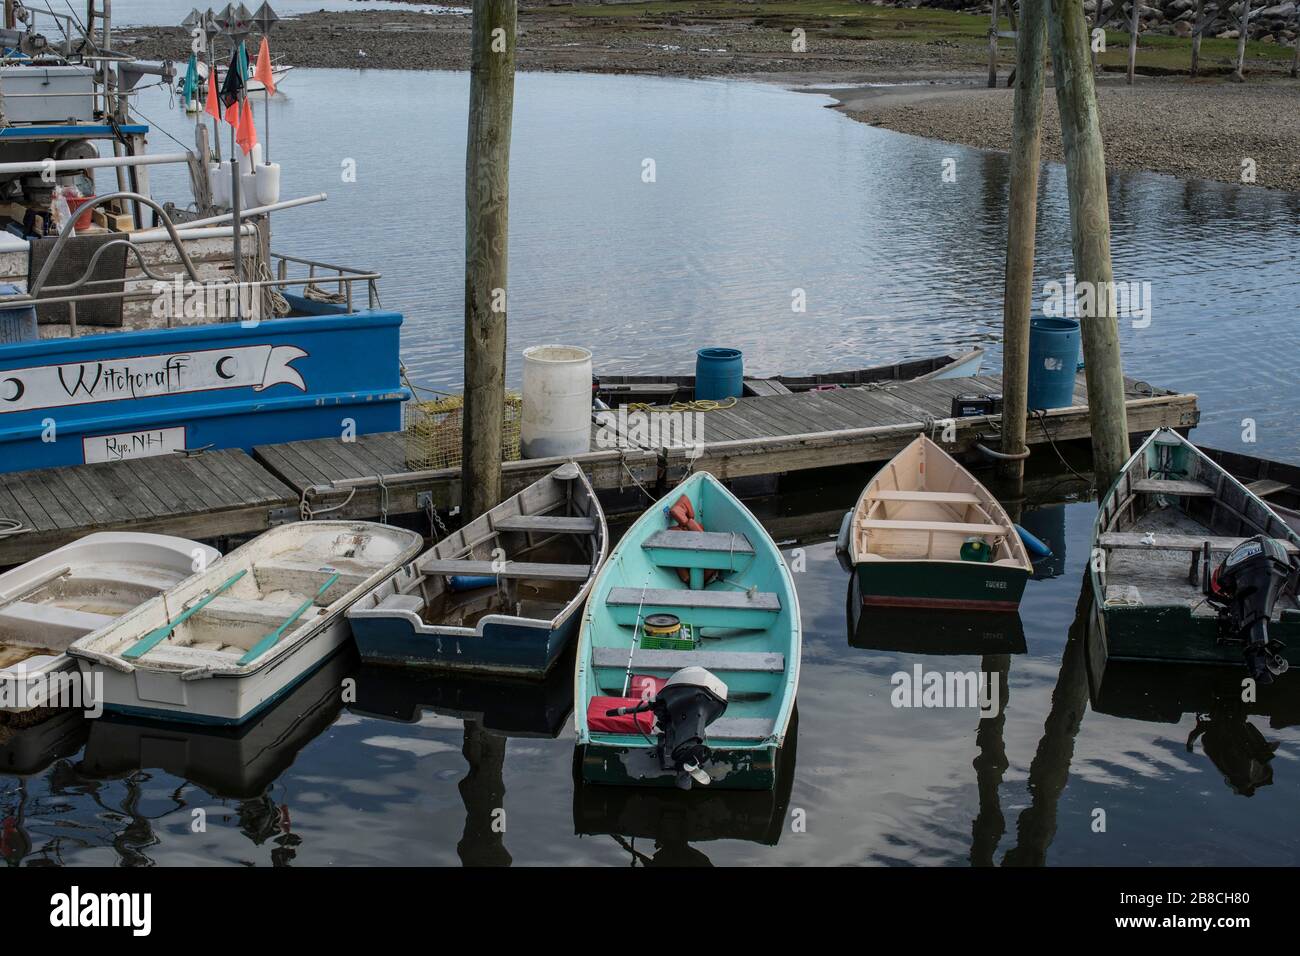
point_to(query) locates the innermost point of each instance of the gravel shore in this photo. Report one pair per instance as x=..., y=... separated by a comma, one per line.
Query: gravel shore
x=1190, y=128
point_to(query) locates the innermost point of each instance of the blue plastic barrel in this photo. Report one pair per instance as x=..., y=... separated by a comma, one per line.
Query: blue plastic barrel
x=17, y=324
x=719, y=374
x=1053, y=362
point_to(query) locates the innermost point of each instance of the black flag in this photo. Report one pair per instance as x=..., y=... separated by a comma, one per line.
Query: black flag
x=234, y=81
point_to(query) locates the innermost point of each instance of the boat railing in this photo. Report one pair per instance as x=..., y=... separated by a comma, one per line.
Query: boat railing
x=343, y=278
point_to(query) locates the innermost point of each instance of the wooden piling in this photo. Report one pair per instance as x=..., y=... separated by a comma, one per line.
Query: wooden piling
x=993, y=46
x=1244, y=23
x=1022, y=219
x=1085, y=162
x=487, y=202
x=1133, y=27
x=1198, y=27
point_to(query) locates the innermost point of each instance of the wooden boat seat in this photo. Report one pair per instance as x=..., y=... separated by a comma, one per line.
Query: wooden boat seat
x=716, y=608
x=1266, y=486
x=761, y=661
x=50, y=618
x=302, y=577
x=739, y=728
x=508, y=569
x=555, y=524
x=401, y=602
x=904, y=524
x=941, y=497
x=1135, y=540
x=249, y=612
x=717, y=550
x=1164, y=486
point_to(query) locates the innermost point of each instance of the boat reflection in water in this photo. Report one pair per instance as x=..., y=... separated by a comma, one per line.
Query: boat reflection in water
x=493, y=709
x=1213, y=695
x=670, y=820
x=238, y=763
x=931, y=631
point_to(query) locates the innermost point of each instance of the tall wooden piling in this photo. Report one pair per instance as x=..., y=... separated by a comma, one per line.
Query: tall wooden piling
x=1133, y=27
x=1085, y=163
x=1198, y=27
x=487, y=202
x=993, y=46
x=1022, y=219
x=1242, y=34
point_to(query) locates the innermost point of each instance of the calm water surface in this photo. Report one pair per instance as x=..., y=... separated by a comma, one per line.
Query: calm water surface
x=758, y=192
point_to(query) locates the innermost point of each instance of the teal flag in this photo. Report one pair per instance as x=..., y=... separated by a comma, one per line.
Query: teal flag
x=244, y=69
x=191, y=90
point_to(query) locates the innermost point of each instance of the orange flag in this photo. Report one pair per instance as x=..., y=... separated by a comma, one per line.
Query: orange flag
x=232, y=115
x=262, y=71
x=246, y=135
x=213, y=105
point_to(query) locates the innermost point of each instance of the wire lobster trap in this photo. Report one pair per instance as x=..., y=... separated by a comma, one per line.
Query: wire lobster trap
x=435, y=429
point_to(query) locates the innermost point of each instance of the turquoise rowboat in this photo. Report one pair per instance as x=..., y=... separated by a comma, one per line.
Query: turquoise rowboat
x=731, y=615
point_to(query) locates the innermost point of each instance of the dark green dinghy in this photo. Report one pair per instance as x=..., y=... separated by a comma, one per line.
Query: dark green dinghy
x=1188, y=565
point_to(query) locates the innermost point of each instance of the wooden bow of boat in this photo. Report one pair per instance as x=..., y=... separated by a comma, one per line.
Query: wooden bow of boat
x=742, y=626
x=925, y=533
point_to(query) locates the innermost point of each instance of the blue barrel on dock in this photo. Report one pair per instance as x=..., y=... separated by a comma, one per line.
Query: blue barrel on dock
x=17, y=324
x=1053, y=362
x=719, y=374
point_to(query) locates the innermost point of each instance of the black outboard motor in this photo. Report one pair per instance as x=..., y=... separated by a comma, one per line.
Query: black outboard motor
x=692, y=699
x=1244, y=588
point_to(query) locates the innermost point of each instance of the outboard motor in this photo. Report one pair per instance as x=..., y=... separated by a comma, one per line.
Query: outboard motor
x=692, y=699
x=1245, y=588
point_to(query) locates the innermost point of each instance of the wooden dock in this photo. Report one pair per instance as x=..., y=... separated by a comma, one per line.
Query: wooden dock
x=228, y=493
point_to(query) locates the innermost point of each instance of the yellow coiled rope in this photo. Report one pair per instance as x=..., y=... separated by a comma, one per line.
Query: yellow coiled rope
x=699, y=405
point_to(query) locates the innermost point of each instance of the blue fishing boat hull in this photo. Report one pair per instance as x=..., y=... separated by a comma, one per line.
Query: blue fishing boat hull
x=501, y=648
x=123, y=395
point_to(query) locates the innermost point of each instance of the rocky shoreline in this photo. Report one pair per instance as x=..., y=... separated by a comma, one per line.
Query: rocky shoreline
x=1202, y=128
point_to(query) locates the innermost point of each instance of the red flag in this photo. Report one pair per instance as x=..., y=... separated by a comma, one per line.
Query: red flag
x=232, y=114
x=262, y=71
x=212, y=106
x=246, y=134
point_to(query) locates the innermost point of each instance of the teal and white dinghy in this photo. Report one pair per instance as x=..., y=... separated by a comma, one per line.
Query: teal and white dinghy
x=688, y=655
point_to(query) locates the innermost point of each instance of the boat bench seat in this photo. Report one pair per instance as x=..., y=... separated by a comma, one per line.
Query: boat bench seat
x=716, y=608
x=957, y=527
x=555, y=524
x=940, y=497
x=1137, y=540
x=1164, y=486
x=250, y=612
x=401, y=602
x=740, y=728
x=1266, y=486
x=761, y=661
x=51, y=619
x=715, y=550
x=305, y=578
x=507, y=569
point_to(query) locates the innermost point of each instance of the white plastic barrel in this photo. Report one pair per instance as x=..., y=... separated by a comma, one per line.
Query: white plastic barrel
x=557, y=402
x=219, y=182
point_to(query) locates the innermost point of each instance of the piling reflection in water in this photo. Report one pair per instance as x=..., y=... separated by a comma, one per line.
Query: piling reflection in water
x=493, y=710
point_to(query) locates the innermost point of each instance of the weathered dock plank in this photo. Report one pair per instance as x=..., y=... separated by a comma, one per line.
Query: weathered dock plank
x=211, y=495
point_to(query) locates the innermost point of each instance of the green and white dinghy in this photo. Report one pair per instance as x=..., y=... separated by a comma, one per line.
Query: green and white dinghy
x=688, y=655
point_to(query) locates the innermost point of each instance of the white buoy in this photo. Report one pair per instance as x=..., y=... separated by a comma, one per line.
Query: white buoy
x=557, y=402
x=268, y=183
x=219, y=184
